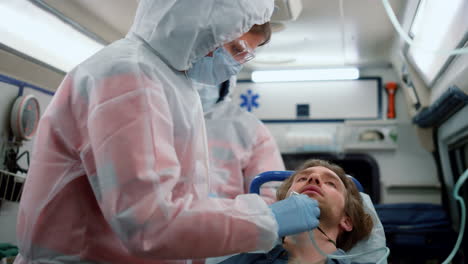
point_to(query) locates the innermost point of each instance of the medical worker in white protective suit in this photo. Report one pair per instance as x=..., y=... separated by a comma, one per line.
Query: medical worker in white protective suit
x=240, y=145
x=119, y=172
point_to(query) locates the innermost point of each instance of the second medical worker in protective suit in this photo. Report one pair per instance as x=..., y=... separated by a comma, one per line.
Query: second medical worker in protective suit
x=119, y=172
x=240, y=145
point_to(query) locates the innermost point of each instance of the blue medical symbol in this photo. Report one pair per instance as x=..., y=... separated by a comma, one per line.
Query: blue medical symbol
x=249, y=100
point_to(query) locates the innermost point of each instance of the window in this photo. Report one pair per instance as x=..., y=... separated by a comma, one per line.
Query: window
x=437, y=25
x=36, y=33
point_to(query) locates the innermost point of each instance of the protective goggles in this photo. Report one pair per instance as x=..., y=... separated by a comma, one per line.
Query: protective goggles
x=240, y=50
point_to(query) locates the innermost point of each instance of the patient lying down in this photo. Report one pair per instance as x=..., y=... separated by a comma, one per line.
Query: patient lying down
x=343, y=220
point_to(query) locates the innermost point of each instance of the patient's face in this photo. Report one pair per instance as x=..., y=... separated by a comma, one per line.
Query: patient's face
x=323, y=185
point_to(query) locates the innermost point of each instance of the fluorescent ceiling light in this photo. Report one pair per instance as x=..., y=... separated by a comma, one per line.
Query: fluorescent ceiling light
x=39, y=34
x=306, y=75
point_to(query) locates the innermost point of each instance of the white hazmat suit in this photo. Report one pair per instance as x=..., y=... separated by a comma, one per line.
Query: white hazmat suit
x=119, y=170
x=241, y=147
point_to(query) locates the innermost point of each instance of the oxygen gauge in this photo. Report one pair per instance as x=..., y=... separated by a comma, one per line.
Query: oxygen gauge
x=25, y=116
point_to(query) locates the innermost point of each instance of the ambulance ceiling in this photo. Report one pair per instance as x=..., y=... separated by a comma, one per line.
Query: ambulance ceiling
x=327, y=33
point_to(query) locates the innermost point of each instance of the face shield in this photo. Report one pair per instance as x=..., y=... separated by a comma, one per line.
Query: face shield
x=240, y=50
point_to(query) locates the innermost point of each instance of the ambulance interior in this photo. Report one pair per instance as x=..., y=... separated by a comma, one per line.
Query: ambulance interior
x=342, y=80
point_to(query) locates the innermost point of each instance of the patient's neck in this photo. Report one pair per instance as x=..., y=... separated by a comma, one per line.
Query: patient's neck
x=300, y=247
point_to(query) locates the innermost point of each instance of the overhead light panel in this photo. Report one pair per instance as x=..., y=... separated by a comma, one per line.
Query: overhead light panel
x=36, y=33
x=306, y=75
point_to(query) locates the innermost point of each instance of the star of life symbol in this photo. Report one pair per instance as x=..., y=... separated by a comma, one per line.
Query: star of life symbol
x=249, y=100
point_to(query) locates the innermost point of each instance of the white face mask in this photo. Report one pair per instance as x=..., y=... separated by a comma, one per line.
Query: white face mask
x=209, y=95
x=216, y=69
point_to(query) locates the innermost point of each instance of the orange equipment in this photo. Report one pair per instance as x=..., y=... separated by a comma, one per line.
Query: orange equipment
x=391, y=89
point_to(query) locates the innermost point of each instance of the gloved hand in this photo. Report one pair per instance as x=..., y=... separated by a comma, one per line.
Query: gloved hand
x=296, y=214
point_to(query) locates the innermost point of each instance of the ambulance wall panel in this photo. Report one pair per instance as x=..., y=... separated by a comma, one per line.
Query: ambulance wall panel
x=10, y=89
x=407, y=173
x=357, y=99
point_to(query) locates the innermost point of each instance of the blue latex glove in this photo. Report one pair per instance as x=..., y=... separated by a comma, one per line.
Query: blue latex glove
x=296, y=214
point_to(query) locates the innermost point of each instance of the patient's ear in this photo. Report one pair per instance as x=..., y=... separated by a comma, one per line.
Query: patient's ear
x=346, y=223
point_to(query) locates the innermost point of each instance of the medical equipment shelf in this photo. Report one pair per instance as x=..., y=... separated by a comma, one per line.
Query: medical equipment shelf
x=370, y=135
x=11, y=186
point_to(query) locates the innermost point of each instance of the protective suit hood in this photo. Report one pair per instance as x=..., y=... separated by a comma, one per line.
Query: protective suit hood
x=123, y=143
x=181, y=31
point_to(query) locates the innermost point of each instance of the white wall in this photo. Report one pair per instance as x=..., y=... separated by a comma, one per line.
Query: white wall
x=406, y=171
x=410, y=165
x=317, y=96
